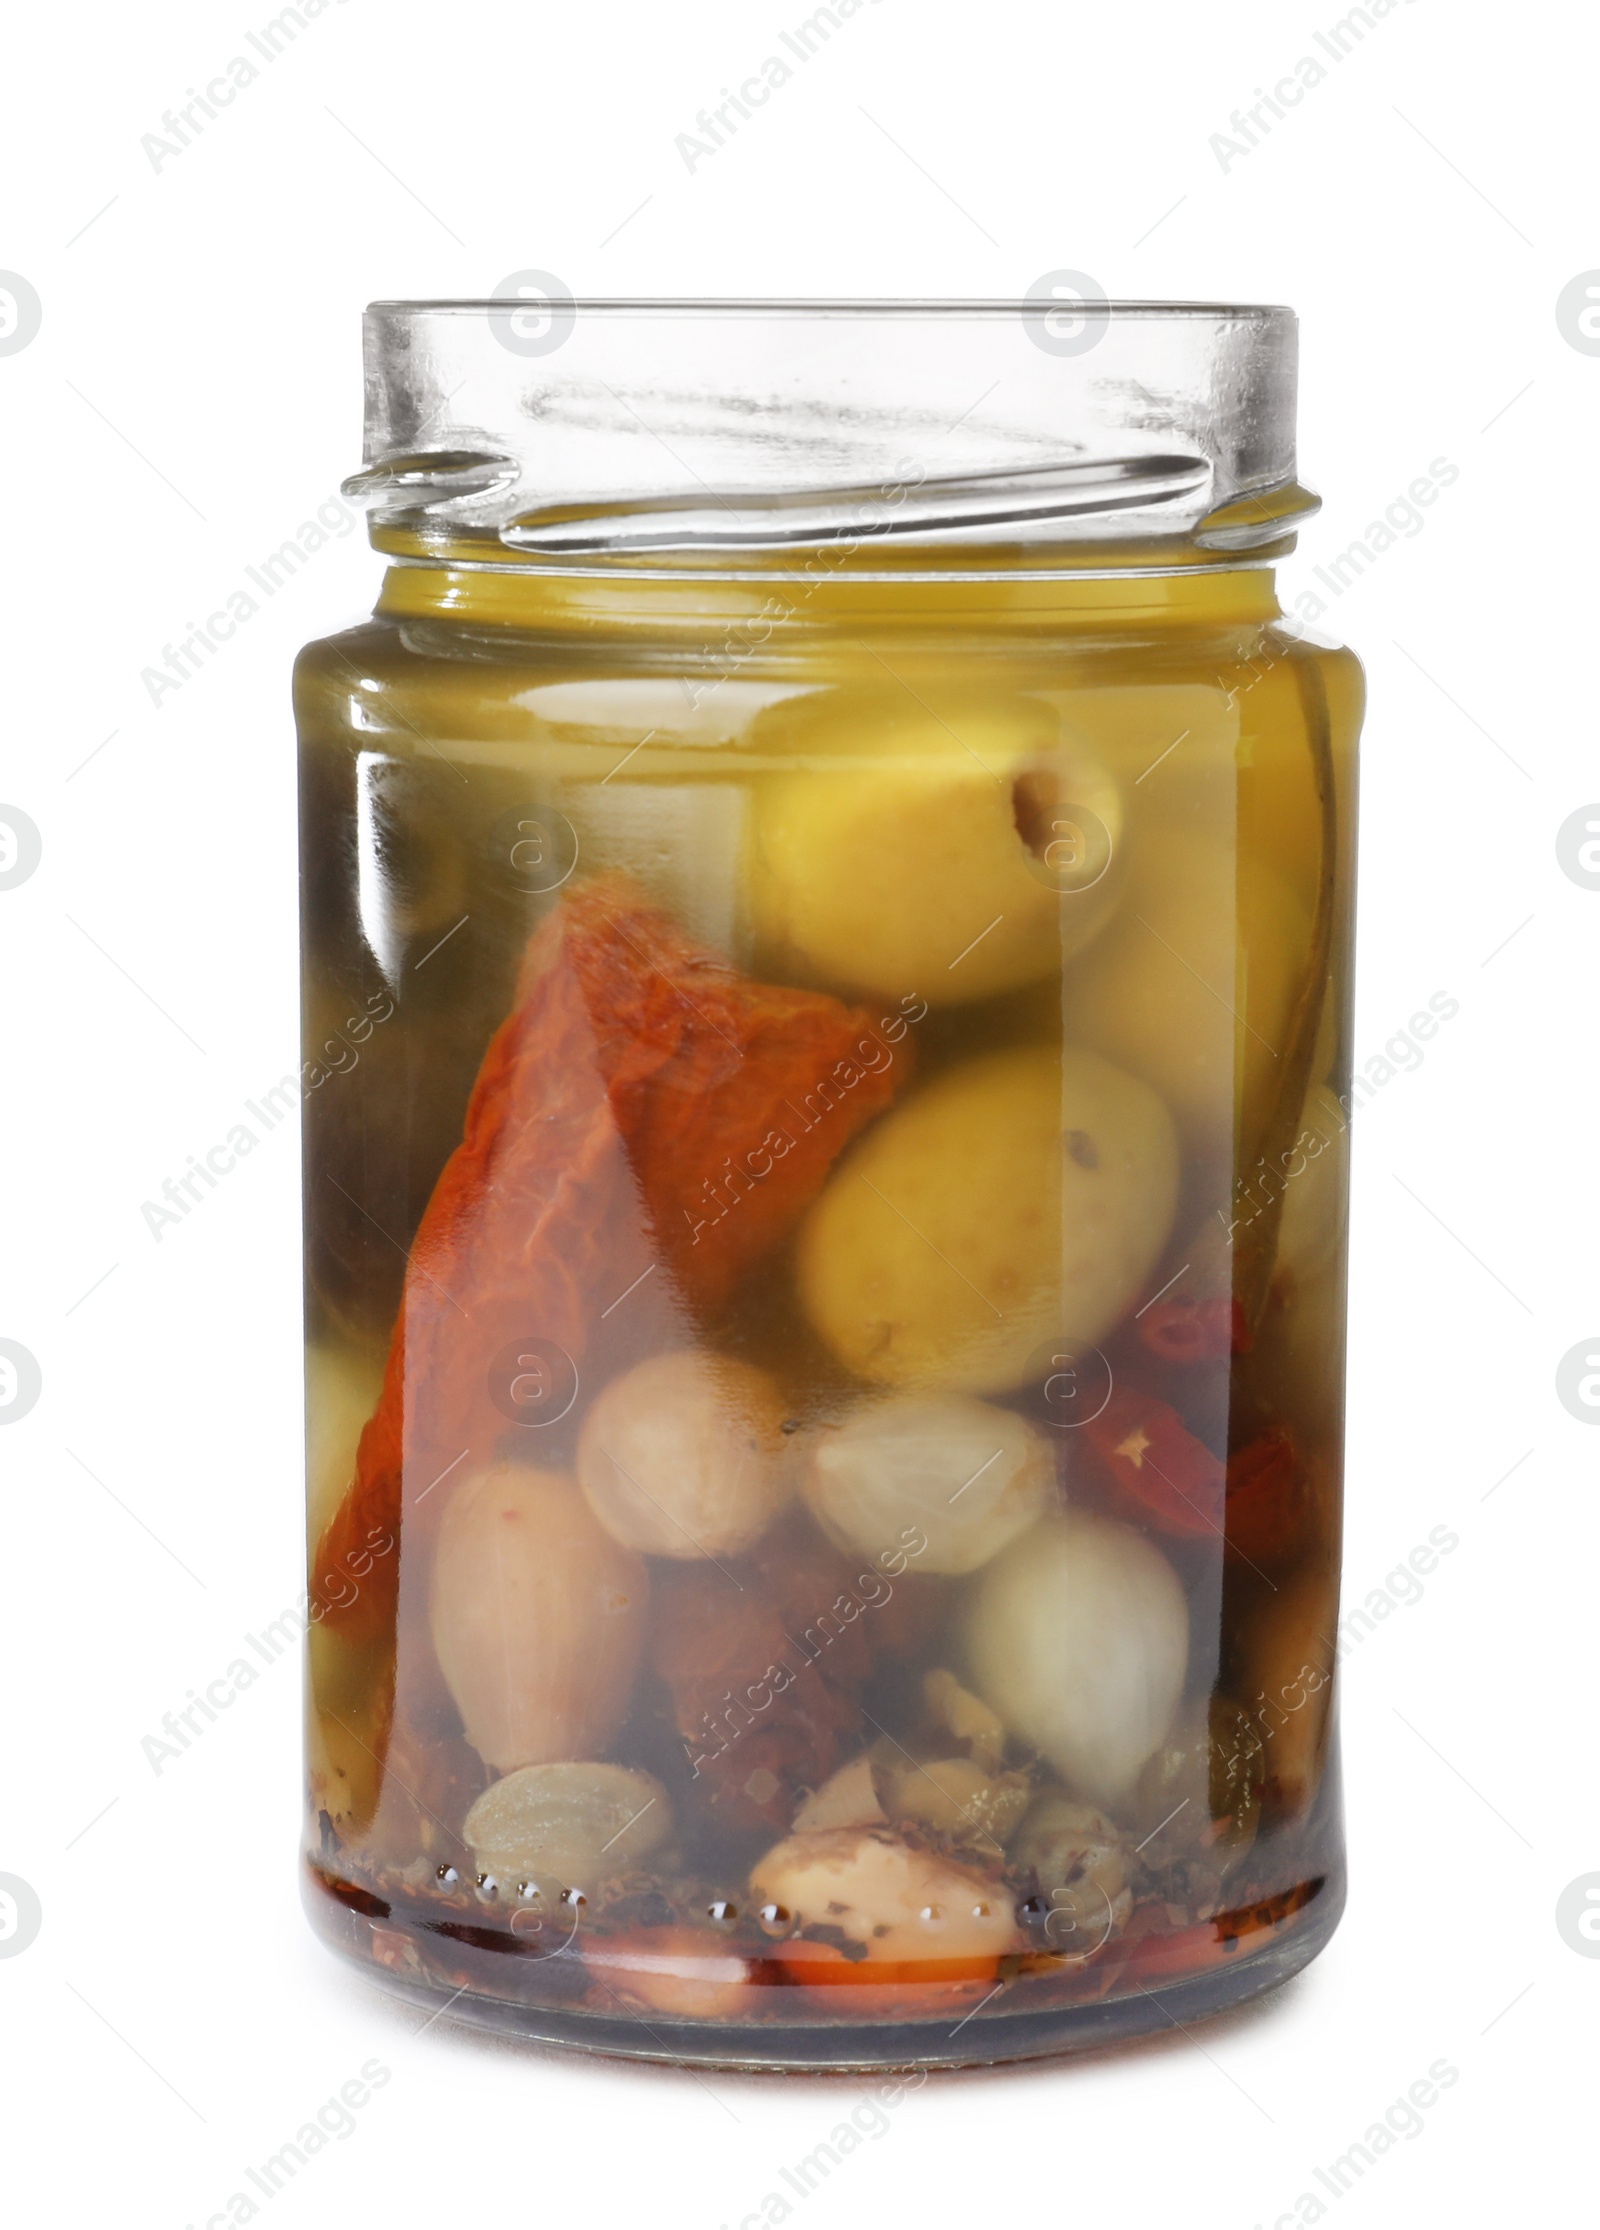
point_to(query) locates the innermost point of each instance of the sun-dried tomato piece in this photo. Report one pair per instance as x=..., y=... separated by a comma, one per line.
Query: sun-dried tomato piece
x=733, y=1097
x=1157, y=1464
x=647, y=1123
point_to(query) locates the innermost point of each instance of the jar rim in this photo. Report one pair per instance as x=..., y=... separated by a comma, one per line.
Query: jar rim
x=857, y=306
x=538, y=427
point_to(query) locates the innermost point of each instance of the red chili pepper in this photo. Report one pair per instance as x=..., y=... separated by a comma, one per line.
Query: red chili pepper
x=1180, y=1331
x=1267, y=1498
x=644, y=1107
x=1158, y=1463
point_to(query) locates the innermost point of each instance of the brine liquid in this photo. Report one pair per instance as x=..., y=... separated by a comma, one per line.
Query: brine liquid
x=1071, y=920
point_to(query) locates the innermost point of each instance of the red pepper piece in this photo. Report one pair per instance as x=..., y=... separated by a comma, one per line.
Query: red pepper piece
x=644, y=1107
x=1180, y=1331
x=1158, y=1464
x=1268, y=1499
x=887, y=1986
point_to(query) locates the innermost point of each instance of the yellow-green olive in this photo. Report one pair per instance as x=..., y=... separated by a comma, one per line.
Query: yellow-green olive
x=952, y=852
x=1194, y=985
x=1021, y=1197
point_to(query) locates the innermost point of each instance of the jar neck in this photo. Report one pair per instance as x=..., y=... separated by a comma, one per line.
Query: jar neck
x=794, y=601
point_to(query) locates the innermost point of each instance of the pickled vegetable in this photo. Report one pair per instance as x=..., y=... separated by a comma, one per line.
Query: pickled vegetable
x=606, y=1118
x=1083, y=1868
x=684, y=1456
x=1079, y=1638
x=1019, y=1199
x=1194, y=987
x=843, y=1539
x=567, y=1826
x=538, y=1618
x=956, y=854
x=903, y=1908
x=967, y=1477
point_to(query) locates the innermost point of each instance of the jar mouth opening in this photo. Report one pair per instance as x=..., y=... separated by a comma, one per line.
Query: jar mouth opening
x=941, y=307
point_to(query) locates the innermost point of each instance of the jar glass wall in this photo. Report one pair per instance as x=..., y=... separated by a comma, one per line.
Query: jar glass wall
x=826, y=987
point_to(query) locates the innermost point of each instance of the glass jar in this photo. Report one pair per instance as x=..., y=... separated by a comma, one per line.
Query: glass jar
x=827, y=911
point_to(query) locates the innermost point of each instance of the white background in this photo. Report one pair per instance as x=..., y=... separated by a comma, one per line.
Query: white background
x=192, y=396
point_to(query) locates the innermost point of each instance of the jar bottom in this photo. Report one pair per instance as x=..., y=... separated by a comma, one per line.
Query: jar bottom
x=475, y=1973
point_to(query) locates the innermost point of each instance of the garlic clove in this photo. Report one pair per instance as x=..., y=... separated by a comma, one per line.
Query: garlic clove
x=959, y=1474
x=538, y=1618
x=684, y=1456
x=848, y=1798
x=1079, y=1637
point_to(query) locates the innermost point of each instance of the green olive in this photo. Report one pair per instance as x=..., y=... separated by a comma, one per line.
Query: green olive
x=1193, y=986
x=1021, y=1197
x=951, y=857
